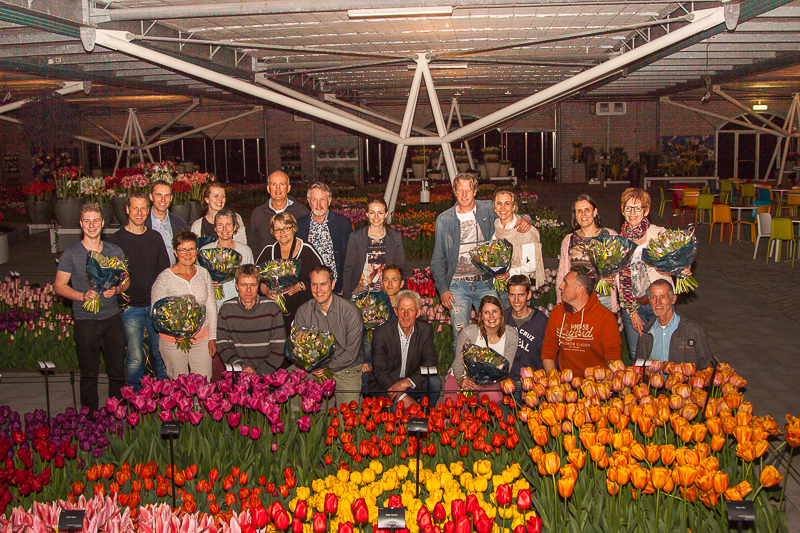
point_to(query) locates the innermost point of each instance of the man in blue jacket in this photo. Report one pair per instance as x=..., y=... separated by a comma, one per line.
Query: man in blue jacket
x=326, y=231
x=458, y=230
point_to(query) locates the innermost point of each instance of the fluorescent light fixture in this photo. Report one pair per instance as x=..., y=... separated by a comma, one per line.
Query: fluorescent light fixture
x=760, y=107
x=400, y=12
x=441, y=66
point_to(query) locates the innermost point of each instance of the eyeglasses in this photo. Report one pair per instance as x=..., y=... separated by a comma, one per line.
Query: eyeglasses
x=186, y=250
x=633, y=209
x=284, y=230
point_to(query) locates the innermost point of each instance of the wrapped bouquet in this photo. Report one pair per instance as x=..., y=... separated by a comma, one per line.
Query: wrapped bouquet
x=375, y=308
x=609, y=254
x=280, y=274
x=672, y=251
x=103, y=273
x=484, y=365
x=180, y=317
x=493, y=258
x=310, y=349
x=221, y=264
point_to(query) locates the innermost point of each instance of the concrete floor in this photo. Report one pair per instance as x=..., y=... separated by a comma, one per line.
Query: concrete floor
x=749, y=309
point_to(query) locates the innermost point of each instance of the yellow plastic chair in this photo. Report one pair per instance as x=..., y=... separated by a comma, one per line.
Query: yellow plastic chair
x=782, y=231
x=664, y=202
x=791, y=205
x=704, y=203
x=689, y=203
x=721, y=214
x=748, y=193
x=752, y=223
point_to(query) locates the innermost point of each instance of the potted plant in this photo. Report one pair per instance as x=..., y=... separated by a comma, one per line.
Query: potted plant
x=462, y=159
x=196, y=181
x=68, y=197
x=418, y=165
x=181, y=191
x=491, y=158
x=505, y=168
x=425, y=193
x=39, y=194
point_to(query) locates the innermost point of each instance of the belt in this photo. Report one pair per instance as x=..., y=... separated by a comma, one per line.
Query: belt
x=643, y=301
x=474, y=278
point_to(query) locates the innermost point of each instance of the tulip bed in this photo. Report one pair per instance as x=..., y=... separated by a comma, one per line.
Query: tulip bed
x=633, y=449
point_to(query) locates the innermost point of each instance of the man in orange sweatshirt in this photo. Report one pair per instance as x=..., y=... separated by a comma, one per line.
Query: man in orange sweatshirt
x=581, y=332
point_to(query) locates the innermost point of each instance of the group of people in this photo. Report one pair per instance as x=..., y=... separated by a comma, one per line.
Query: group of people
x=247, y=327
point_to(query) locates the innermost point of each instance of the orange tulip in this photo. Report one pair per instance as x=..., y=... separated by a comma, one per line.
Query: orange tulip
x=623, y=475
x=743, y=434
x=612, y=487
x=733, y=399
x=746, y=451
x=540, y=436
x=588, y=438
x=565, y=486
x=717, y=442
x=536, y=454
x=652, y=453
x=549, y=416
x=699, y=432
x=551, y=462
x=604, y=436
x=659, y=476
x=639, y=477
x=667, y=454
x=686, y=475
x=720, y=482
x=705, y=482
x=744, y=488
x=770, y=476
x=597, y=452
x=577, y=458
x=570, y=441
x=637, y=451
x=761, y=447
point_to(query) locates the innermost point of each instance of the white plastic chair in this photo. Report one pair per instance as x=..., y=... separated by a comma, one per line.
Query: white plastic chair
x=764, y=230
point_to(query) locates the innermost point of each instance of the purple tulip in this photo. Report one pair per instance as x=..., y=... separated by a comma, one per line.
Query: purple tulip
x=120, y=413
x=255, y=433
x=166, y=403
x=133, y=419
x=217, y=415
x=274, y=447
x=277, y=428
x=165, y=416
x=86, y=445
x=97, y=453
x=184, y=404
x=111, y=404
x=234, y=419
x=328, y=386
x=244, y=430
x=304, y=423
x=195, y=417
x=309, y=405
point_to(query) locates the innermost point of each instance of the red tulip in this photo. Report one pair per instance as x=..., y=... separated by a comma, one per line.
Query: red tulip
x=301, y=511
x=424, y=518
x=472, y=504
x=504, y=494
x=331, y=503
x=484, y=525
x=259, y=516
x=282, y=520
x=394, y=501
x=458, y=508
x=449, y=527
x=319, y=523
x=360, y=511
x=439, y=512
x=345, y=527
x=297, y=525
x=249, y=528
x=534, y=524
x=519, y=529
x=462, y=522
x=524, y=499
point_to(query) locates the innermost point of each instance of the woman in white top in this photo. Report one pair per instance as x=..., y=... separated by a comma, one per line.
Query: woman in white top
x=212, y=203
x=491, y=332
x=527, y=256
x=183, y=279
x=226, y=223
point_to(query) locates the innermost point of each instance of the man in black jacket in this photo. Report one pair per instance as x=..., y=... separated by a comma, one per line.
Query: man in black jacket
x=403, y=355
x=160, y=219
x=671, y=336
x=279, y=201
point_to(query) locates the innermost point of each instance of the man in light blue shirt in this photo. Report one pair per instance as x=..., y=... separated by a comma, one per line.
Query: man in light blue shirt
x=161, y=220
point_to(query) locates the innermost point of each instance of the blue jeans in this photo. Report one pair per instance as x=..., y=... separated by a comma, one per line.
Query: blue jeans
x=467, y=294
x=632, y=336
x=136, y=320
x=503, y=297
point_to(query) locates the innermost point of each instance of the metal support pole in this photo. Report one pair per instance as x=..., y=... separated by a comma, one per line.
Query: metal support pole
x=447, y=151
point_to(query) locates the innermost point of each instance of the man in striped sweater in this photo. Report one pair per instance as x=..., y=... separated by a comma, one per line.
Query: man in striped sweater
x=250, y=328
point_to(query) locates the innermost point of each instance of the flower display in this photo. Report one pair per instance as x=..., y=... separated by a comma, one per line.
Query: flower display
x=221, y=264
x=609, y=254
x=375, y=308
x=310, y=348
x=67, y=182
x=161, y=171
x=484, y=365
x=493, y=258
x=672, y=251
x=103, y=273
x=196, y=181
x=181, y=190
x=38, y=191
x=180, y=317
x=278, y=275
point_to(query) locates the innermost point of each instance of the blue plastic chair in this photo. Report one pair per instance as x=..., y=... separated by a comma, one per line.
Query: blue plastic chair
x=764, y=195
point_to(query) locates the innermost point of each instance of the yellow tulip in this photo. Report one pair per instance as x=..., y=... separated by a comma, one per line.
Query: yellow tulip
x=457, y=468
x=355, y=477
x=376, y=467
x=303, y=493
x=481, y=485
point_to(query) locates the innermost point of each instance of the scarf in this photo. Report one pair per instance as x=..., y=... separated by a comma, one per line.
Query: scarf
x=626, y=299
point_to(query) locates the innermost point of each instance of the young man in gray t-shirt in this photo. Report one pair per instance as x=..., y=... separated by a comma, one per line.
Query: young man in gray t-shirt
x=93, y=332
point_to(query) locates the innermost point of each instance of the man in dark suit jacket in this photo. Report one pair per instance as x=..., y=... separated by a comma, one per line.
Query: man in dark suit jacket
x=161, y=197
x=330, y=225
x=403, y=355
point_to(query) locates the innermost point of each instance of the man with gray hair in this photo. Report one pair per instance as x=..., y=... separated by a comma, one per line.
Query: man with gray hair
x=670, y=336
x=326, y=231
x=279, y=201
x=403, y=355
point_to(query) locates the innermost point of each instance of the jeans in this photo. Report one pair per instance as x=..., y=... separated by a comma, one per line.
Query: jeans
x=632, y=336
x=136, y=320
x=503, y=297
x=467, y=294
x=90, y=337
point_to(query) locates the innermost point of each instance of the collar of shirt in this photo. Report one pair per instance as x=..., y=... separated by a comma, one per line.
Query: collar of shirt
x=671, y=326
x=288, y=203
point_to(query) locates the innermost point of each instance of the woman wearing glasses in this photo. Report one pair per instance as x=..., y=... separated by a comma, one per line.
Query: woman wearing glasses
x=633, y=282
x=183, y=279
x=283, y=228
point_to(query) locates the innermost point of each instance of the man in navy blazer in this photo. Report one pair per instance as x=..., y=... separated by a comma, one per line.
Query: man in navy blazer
x=327, y=232
x=160, y=219
x=404, y=357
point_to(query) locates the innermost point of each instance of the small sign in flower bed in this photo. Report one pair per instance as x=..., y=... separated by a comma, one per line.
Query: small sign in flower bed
x=657, y=448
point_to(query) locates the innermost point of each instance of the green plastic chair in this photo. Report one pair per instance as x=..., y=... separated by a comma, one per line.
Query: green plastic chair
x=748, y=193
x=664, y=202
x=704, y=203
x=725, y=191
x=782, y=231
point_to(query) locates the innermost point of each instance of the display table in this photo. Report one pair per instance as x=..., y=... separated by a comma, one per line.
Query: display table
x=678, y=179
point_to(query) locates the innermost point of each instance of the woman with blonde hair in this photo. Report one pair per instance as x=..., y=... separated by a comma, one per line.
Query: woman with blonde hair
x=213, y=201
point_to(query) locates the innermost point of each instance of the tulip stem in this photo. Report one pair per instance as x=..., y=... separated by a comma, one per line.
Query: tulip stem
x=783, y=489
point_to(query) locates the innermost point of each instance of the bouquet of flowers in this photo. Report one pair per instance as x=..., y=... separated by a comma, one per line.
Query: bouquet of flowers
x=102, y=273
x=672, y=251
x=180, y=317
x=310, y=349
x=609, y=254
x=280, y=274
x=375, y=308
x=493, y=258
x=484, y=365
x=221, y=264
